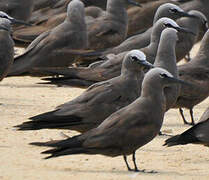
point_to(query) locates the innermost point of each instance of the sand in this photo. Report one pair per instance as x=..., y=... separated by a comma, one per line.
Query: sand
x=22, y=97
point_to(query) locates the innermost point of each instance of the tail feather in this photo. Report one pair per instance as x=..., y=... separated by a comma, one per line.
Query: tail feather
x=49, y=116
x=70, y=71
x=64, y=147
x=172, y=141
x=45, y=125
x=49, y=143
x=63, y=152
x=184, y=138
x=74, y=142
x=50, y=121
x=65, y=81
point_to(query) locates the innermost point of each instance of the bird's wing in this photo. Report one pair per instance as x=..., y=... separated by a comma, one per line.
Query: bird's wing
x=102, y=30
x=102, y=93
x=122, y=127
x=35, y=43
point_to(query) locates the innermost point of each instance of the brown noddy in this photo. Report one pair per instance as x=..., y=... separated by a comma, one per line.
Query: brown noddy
x=141, y=19
x=6, y=48
x=41, y=15
x=99, y=101
x=43, y=20
x=197, y=73
x=106, y=31
x=43, y=51
x=126, y=130
x=141, y=40
x=186, y=41
x=110, y=29
x=166, y=59
x=111, y=67
x=12, y=20
x=19, y=9
x=40, y=4
x=199, y=5
x=25, y=35
x=198, y=134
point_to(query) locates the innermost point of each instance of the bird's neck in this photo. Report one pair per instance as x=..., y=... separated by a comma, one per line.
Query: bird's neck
x=204, y=47
x=116, y=11
x=152, y=48
x=166, y=56
x=155, y=93
x=128, y=74
x=193, y=24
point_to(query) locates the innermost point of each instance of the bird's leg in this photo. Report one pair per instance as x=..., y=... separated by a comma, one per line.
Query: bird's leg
x=135, y=166
x=192, y=118
x=125, y=159
x=134, y=160
x=182, y=115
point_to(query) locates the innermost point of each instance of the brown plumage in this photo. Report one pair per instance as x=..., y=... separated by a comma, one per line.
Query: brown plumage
x=6, y=48
x=166, y=59
x=186, y=41
x=46, y=49
x=111, y=66
x=141, y=40
x=140, y=19
x=126, y=130
x=110, y=29
x=197, y=73
x=99, y=101
x=19, y=9
x=198, y=134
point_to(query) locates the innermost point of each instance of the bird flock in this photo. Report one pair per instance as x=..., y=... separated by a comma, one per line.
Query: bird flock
x=127, y=59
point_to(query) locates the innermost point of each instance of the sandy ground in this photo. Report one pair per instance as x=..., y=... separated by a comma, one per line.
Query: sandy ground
x=21, y=97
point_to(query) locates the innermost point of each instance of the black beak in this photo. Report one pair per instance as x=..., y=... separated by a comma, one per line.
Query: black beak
x=146, y=64
x=15, y=21
x=185, y=14
x=173, y=80
x=134, y=3
x=179, y=29
x=184, y=30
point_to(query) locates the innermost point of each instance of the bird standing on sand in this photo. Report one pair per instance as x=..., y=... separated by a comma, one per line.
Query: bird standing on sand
x=110, y=67
x=71, y=34
x=126, y=130
x=99, y=101
x=196, y=72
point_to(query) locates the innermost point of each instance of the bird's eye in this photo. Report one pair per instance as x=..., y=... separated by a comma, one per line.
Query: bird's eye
x=134, y=58
x=173, y=10
x=167, y=25
x=206, y=23
x=163, y=75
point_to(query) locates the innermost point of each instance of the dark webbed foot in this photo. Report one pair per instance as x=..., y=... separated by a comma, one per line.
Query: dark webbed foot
x=135, y=166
